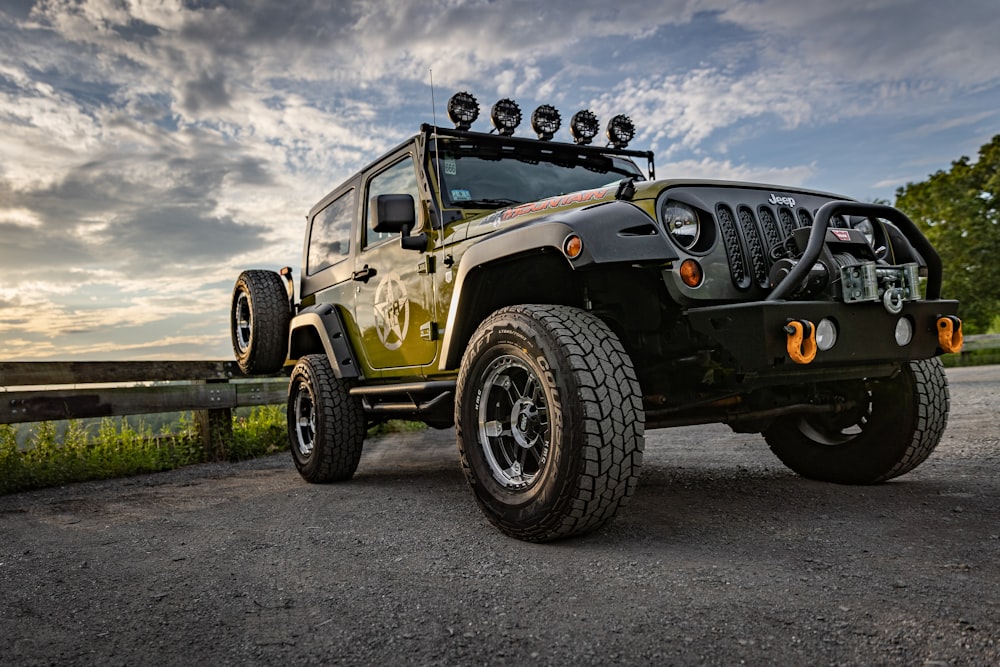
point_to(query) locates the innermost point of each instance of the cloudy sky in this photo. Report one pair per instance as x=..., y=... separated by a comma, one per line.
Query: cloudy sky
x=151, y=149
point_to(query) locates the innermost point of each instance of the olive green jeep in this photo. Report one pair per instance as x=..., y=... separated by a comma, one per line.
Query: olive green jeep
x=553, y=300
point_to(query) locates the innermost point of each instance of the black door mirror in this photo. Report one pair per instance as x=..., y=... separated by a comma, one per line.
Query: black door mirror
x=397, y=213
x=393, y=213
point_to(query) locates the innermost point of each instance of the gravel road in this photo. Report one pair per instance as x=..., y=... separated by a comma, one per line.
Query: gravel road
x=724, y=557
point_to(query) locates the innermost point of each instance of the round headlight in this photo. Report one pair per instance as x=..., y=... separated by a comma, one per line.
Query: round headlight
x=826, y=334
x=866, y=228
x=681, y=222
x=904, y=331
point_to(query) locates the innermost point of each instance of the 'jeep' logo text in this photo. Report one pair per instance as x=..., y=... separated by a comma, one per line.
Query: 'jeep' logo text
x=786, y=201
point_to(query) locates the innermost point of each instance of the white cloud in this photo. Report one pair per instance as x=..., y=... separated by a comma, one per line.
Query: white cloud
x=154, y=148
x=709, y=168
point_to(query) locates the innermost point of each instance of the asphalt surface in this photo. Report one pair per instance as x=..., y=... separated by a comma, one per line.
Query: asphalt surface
x=723, y=557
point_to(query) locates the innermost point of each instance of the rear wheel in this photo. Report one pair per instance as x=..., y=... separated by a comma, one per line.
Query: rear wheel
x=326, y=425
x=897, y=423
x=259, y=320
x=549, y=420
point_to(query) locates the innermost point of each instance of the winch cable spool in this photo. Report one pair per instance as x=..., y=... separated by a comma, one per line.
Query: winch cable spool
x=801, y=341
x=950, y=333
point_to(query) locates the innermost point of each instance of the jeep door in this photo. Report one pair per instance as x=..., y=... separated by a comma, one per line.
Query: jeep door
x=394, y=305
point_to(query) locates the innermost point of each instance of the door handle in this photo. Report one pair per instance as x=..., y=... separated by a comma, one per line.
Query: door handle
x=365, y=274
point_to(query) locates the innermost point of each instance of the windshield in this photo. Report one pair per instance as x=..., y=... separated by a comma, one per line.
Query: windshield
x=477, y=177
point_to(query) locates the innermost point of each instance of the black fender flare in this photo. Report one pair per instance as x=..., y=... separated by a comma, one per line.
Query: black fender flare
x=615, y=232
x=323, y=323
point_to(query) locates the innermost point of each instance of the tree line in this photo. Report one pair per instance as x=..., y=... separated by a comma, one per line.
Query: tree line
x=958, y=211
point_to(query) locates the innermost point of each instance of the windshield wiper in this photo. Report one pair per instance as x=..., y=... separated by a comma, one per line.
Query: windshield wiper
x=485, y=203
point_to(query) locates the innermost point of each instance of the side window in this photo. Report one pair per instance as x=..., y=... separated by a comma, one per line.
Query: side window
x=399, y=179
x=330, y=238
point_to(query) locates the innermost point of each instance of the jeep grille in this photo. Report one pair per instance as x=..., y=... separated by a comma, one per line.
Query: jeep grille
x=751, y=238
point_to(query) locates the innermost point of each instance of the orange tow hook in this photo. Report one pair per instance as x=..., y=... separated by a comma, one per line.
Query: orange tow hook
x=950, y=333
x=801, y=342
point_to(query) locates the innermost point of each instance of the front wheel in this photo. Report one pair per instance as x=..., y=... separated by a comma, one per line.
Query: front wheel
x=549, y=420
x=326, y=425
x=897, y=423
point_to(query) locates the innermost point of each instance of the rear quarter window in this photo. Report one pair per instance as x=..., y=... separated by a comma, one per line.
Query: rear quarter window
x=330, y=234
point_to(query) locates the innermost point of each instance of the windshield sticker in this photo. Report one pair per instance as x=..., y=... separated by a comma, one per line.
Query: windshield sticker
x=461, y=195
x=545, y=204
x=450, y=166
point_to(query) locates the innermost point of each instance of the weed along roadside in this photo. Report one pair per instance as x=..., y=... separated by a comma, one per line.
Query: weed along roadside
x=38, y=454
x=73, y=421
x=114, y=447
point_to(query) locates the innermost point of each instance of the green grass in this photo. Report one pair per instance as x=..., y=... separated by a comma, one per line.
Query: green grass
x=971, y=358
x=114, y=447
x=78, y=451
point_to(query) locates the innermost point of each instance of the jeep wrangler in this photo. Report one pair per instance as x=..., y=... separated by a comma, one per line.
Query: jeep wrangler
x=552, y=300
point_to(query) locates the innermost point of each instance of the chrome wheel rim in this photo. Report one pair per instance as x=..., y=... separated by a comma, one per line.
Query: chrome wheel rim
x=514, y=427
x=305, y=420
x=243, y=321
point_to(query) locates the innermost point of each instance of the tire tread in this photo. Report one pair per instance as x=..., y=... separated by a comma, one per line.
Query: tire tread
x=613, y=419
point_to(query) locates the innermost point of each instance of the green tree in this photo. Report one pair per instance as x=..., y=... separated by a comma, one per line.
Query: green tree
x=959, y=212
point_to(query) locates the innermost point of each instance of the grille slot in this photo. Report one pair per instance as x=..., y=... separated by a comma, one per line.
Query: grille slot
x=755, y=247
x=738, y=269
x=769, y=226
x=788, y=222
x=805, y=219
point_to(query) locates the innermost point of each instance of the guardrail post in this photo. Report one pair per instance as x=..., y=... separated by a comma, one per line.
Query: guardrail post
x=215, y=425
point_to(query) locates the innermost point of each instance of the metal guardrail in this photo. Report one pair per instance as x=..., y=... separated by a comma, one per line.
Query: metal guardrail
x=34, y=391
x=976, y=351
x=52, y=390
x=981, y=342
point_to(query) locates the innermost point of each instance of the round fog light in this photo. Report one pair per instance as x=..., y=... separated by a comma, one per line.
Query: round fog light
x=826, y=334
x=904, y=331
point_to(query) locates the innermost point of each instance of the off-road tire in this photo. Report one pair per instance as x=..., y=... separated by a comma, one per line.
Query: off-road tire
x=579, y=399
x=326, y=425
x=258, y=319
x=901, y=422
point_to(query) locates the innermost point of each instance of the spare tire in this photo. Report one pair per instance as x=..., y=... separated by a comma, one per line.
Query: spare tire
x=259, y=321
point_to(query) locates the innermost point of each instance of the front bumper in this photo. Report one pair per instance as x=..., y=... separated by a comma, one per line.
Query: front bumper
x=754, y=334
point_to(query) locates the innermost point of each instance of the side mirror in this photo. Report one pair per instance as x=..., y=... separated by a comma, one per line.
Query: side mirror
x=393, y=214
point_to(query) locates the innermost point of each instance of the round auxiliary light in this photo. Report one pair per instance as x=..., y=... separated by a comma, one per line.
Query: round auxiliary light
x=584, y=126
x=506, y=116
x=691, y=273
x=620, y=131
x=463, y=110
x=904, y=331
x=545, y=121
x=826, y=334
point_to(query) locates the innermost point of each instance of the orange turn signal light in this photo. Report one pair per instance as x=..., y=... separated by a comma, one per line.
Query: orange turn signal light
x=691, y=273
x=573, y=246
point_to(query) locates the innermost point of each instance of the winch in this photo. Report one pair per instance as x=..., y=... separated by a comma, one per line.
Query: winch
x=849, y=269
